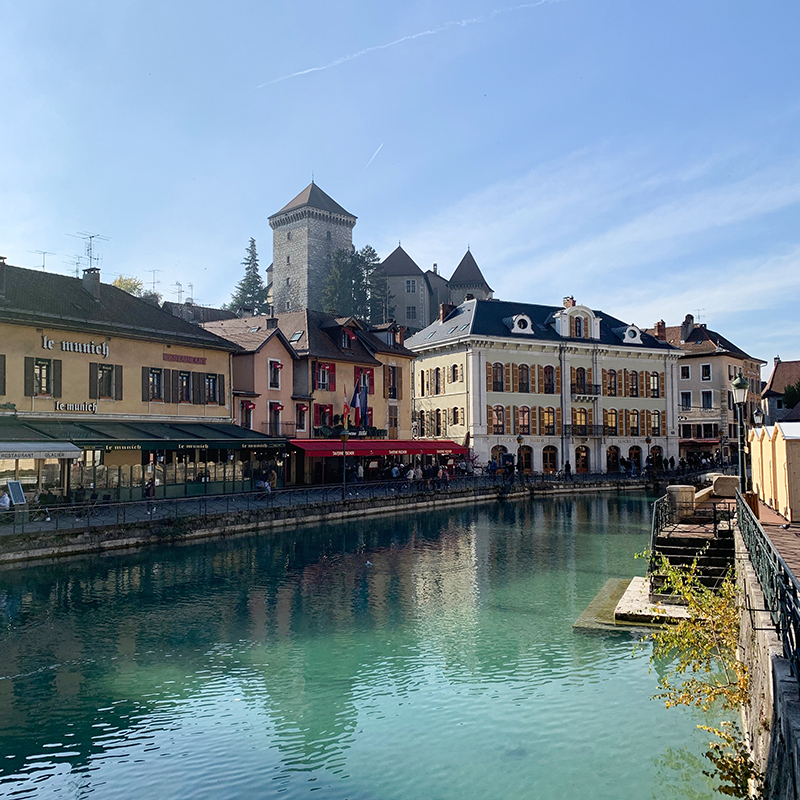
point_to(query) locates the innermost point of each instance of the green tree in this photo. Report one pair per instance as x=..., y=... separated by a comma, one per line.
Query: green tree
x=345, y=290
x=379, y=296
x=130, y=285
x=250, y=291
x=791, y=395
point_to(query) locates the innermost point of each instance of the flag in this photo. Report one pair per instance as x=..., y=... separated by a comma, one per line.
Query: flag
x=363, y=403
x=346, y=410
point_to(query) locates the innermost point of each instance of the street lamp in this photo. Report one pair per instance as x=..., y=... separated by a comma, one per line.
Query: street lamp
x=344, y=436
x=648, y=441
x=739, y=390
x=758, y=416
x=520, y=440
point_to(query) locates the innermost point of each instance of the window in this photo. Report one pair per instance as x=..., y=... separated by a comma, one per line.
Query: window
x=655, y=427
x=105, y=381
x=524, y=378
x=580, y=422
x=346, y=341
x=705, y=372
x=184, y=387
x=686, y=372
x=288, y=236
x=686, y=431
x=456, y=418
x=730, y=371
x=326, y=377
x=365, y=376
x=287, y=260
x=437, y=381
x=579, y=327
x=708, y=431
x=634, y=384
x=686, y=400
x=288, y=280
x=580, y=380
x=392, y=387
x=438, y=423
x=323, y=416
x=498, y=377
x=524, y=421
x=498, y=420
x=549, y=380
x=634, y=423
x=454, y=373
x=296, y=337
x=300, y=417
x=211, y=388
x=549, y=422
x=411, y=287
x=612, y=383
x=156, y=384
x=654, y=385
x=730, y=402
x=275, y=374
x=613, y=422
x=42, y=376
x=707, y=399
x=411, y=312
x=452, y=329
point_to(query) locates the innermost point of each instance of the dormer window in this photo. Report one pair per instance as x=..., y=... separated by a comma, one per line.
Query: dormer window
x=519, y=323
x=346, y=344
x=579, y=327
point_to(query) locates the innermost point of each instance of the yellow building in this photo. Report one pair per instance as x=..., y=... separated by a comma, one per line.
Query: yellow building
x=775, y=467
x=102, y=390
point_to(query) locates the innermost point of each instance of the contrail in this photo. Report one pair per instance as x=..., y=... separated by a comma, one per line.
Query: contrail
x=373, y=156
x=460, y=23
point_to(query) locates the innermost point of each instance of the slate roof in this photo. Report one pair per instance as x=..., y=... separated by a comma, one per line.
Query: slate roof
x=468, y=273
x=703, y=341
x=784, y=373
x=485, y=318
x=32, y=297
x=313, y=197
x=398, y=262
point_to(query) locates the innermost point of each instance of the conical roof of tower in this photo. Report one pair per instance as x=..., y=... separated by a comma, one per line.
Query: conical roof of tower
x=398, y=262
x=313, y=197
x=468, y=273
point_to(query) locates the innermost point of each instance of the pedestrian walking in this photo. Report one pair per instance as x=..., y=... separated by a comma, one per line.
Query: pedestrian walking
x=567, y=471
x=150, y=494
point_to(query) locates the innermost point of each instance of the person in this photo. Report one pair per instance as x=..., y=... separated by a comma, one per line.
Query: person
x=672, y=463
x=360, y=473
x=567, y=471
x=395, y=471
x=150, y=493
x=5, y=501
x=273, y=479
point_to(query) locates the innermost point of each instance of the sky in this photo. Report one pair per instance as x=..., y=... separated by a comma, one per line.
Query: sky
x=643, y=157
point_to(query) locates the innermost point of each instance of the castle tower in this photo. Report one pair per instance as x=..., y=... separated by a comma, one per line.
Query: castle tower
x=468, y=279
x=306, y=233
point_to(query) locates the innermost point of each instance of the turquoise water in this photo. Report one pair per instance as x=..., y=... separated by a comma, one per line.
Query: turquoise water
x=423, y=656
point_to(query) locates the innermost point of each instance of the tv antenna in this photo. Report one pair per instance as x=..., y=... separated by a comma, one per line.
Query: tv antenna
x=697, y=314
x=178, y=291
x=191, y=292
x=43, y=254
x=89, y=238
x=75, y=262
x=153, y=281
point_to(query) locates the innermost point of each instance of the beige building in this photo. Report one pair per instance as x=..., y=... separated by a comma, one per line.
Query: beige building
x=546, y=385
x=775, y=467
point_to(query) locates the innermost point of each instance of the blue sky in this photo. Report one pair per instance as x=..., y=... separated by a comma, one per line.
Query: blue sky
x=641, y=156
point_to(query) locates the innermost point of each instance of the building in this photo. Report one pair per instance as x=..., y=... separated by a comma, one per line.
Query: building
x=306, y=233
x=573, y=384
x=775, y=466
x=784, y=373
x=102, y=390
x=707, y=421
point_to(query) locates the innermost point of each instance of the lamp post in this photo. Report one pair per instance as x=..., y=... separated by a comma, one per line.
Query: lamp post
x=344, y=436
x=758, y=417
x=520, y=440
x=739, y=390
x=647, y=462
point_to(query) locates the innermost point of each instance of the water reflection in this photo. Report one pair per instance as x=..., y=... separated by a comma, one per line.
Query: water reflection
x=296, y=642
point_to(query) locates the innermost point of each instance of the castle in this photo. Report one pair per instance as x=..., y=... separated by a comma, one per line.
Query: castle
x=309, y=229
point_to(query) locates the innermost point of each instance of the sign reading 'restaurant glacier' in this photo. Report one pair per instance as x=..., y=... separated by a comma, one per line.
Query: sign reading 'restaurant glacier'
x=78, y=347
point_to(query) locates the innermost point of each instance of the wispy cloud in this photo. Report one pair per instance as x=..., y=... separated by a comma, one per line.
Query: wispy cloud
x=373, y=155
x=460, y=23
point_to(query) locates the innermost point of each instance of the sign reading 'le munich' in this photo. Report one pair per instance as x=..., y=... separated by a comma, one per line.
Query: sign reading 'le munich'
x=78, y=347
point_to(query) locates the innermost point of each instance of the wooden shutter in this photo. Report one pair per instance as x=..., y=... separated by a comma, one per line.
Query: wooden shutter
x=661, y=384
x=515, y=417
x=572, y=326
x=28, y=376
x=166, y=385
x=385, y=380
x=589, y=377
x=93, y=381
x=533, y=419
x=488, y=377
x=605, y=382
x=313, y=375
x=448, y=378
x=488, y=419
x=145, y=384
x=507, y=422
x=400, y=382
x=558, y=380
x=572, y=380
x=663, y=422
x=642, y=385
x=627, y=426
x=356, y=375
x=118, y=381
x=175, y=394
x=332, y=378
x=462, y=416
x=605, y=419
x=198, y=388
x=460, y=373
x=574, y=414
x=430, y=388
x=649, y=422
x=56, y=377
x=558, y=421
x=585, y=328
x=507, y=377
x=221, y=396
x=624, y=384
x=2, y=375
x=515, y=378
x=590, y=419
x=316, y=416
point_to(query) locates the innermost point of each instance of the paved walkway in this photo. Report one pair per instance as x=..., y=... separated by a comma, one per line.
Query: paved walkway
x=784, y=535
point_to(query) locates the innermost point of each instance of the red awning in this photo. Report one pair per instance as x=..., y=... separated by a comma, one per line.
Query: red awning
x=378, y=447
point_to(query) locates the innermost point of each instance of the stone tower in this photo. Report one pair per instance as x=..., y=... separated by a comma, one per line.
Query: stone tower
x=306, y=233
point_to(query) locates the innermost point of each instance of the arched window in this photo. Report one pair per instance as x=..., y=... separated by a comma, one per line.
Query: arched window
x=456, y=420
x=579, y=327
x=524, y=420
x=582, y=459
x=437, y=381
x=634, y=423
x=580, y=381
x=422, y=383
x=498, y=420
x=635, y=456
x=421, y=423
x=498, y=377
x=654, y=387
x=612, y=383
x=454, y=373
x=524, y=378
x=549, y=460
x=580, y=422
x=634, y=380
x=655, y=423
x=612, y=459
x=549, y=422
x=438, y=428
x=549, y=380
x=613, y=422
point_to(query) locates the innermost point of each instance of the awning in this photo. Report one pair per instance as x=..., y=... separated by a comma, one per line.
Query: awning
x=39, y=450
x=378, y=447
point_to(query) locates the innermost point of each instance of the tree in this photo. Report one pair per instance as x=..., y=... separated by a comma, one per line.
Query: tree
x=356, y=286
x=791, y=395
x=380, y=298
x=250, y=291
x=130, y=285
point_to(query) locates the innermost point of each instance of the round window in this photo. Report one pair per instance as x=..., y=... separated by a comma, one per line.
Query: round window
x=632, y=334
x=522, y=324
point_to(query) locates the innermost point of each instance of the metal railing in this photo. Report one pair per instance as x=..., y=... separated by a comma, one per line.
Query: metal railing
x=593, y=389
x=780, y=587
x=583, y=430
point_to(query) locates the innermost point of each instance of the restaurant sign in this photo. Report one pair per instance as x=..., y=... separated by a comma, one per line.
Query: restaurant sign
x=91, y=348
x=88, y=408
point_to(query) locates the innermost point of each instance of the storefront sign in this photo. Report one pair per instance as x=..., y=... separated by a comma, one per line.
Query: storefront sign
x=184, y=359
x=91, y=348
x=89, y=408
x=109, y=447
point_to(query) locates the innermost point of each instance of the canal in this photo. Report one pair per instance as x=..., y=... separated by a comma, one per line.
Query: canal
x=418, y=656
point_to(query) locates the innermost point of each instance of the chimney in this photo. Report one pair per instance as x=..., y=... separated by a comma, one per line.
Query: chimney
x=687, y=326
x=776, y=361
x=661, y=331
x=400, y=335
x=435, y=268
x=91, y=281
x=2, y=277
x=445, y=310
x=569, y=302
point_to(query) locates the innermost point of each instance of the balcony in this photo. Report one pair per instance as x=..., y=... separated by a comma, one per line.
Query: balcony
x=583, y=430
x=325, y=432
x=590, y=391
x=288, y=429
x=549, y=388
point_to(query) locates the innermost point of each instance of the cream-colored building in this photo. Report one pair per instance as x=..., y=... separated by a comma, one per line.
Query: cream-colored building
x=573, y=384
x=775, y=467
